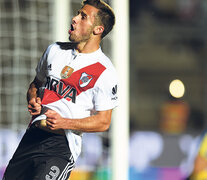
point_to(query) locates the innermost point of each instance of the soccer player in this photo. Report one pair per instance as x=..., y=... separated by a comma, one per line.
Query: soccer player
x=200, y=164
x=73, y=79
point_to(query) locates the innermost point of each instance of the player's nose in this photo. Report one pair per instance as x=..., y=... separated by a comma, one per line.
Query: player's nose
x=75, y=19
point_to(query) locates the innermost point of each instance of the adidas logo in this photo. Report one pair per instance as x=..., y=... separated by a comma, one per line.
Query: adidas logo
x=114, y=90
x=49, y=67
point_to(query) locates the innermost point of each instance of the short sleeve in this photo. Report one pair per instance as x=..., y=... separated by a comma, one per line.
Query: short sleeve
x=105, y=95
x=42, y=65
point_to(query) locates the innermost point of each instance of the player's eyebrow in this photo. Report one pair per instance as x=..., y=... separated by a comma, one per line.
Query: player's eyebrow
x=83, y=14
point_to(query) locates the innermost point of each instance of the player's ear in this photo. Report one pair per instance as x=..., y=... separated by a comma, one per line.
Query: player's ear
x=98, y=30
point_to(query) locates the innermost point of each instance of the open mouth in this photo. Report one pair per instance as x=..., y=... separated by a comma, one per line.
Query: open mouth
x=71, y=29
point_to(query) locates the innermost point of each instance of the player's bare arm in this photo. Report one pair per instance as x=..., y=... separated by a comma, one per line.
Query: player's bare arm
x=200, y=164
x=96, y=123
x=34, y=102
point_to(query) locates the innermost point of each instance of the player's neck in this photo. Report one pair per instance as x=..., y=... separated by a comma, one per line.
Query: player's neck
x=88, y=47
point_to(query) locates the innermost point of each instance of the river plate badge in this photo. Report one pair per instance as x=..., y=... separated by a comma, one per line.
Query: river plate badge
x=66, y=72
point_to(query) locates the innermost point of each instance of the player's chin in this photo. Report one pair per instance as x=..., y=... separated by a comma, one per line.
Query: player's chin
x=71, y=38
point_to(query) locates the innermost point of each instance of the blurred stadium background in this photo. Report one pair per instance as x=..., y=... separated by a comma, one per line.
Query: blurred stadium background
x=167, y=41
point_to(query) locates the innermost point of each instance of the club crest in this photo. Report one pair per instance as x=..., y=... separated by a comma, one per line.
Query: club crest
x=66, y=72
x=85, y=79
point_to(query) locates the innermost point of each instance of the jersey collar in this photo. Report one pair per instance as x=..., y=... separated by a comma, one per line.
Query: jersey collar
x=75, y=53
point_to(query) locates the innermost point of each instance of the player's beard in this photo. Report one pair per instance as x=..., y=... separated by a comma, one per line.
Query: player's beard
x=76, y=38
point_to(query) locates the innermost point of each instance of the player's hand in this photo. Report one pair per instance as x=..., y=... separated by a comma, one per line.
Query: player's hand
x=34, y=106
x=54, y=120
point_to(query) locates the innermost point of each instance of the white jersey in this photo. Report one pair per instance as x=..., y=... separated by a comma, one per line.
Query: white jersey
x=75, y=84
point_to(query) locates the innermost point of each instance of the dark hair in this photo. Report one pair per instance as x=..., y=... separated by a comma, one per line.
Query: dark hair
x=105, y=14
